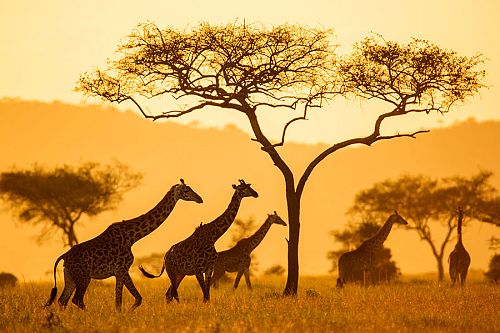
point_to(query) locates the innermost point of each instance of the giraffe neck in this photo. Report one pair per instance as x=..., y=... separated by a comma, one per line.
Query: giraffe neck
x=459, y=229
x=253, y=241
x=215, y=229
x=147, y=223
x=382, y=234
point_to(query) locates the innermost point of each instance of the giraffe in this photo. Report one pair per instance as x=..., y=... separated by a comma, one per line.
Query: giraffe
x=237, y=258
x=362, y=257
x=459, y=258
x=196, y=254
x=109, y=254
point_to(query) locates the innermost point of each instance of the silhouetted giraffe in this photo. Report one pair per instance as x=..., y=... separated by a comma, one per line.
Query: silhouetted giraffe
x=362, y=258
x=237, y=258
x=196, y=254
x=459, y=258
x=110, y=254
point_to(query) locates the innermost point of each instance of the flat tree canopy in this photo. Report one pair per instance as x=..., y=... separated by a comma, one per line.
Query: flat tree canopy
x=253, y=68
x=57, y=198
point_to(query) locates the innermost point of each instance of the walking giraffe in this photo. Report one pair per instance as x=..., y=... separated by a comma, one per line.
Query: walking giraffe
x=196, y=254
x=110, y=254
x=363, y=257
x=459, y=258
x=237, y=258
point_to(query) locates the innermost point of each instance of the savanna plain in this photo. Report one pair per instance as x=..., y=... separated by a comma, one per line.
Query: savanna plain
x=411, y=305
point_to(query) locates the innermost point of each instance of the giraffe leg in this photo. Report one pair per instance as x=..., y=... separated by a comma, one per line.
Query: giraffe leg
x=82, y=283
x=247, y=278
x=129, y=284
x=463, y=277
x=218, y=273
x=69, y=288
x=201, y=282
x=174, y=284
x=118, y=292
x=208, y=278
x=237, y=280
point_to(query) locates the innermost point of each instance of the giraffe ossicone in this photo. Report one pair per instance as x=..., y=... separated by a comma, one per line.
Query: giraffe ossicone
x=109, y=254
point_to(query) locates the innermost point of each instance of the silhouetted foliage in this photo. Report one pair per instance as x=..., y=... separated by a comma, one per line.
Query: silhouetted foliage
x=277, y=270
x=7, y=280
x=383, y=270
x=57, y=198
x=425, y=201
x=252, y=68
x=493, y=272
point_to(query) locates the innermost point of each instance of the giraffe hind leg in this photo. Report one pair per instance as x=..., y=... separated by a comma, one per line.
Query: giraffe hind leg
x=129, y=284
x=82, y=283
x=69, y=288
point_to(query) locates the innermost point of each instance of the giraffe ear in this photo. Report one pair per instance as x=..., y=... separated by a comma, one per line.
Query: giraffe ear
x=275, y=213
x=234, y=186
x=182, y=181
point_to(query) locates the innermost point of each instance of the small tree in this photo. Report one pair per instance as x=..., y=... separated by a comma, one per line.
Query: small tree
x=383, y=269
x=493, y=272
x=57, y=198
x=277, y=270
x=423, y=201
x=250, y=69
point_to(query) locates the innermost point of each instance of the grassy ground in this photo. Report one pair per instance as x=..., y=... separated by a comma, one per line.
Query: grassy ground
x=409, y=306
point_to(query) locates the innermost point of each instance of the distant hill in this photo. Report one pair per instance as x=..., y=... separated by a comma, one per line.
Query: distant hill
x=210, y=160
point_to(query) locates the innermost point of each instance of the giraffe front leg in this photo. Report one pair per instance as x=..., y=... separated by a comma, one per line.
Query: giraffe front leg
x=208, y=277
x=247, y=279
x=118, y=292
x=129, y=284
x=237, y=280
x=201, y=282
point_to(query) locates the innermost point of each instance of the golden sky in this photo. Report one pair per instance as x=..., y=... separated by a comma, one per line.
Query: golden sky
x=46, y=45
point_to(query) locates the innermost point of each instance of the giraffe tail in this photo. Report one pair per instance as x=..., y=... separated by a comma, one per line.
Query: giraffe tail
x=53, y=292
x=149, y=275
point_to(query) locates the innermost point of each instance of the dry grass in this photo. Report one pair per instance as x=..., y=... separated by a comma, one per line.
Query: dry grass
x=319, y=307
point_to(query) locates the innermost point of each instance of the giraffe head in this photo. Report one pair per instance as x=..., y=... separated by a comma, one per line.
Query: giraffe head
x=244, y=190
x=397, y=219
x=275, y=219
x=184, y=192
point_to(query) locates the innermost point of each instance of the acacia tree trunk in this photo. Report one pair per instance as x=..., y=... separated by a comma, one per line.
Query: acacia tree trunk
x=292, y=282
x=72, y=240
x=440, y=268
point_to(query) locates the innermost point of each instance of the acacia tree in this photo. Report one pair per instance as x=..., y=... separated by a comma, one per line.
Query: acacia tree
x=252, y=69
x=424, y=202
x=57, y=198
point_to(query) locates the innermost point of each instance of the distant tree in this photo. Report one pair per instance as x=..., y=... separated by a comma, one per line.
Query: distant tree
x=57, y=198
x=424, y=202
x=7, y=280
x=277, y=270
x=493, y=272
x=383, y=269
x=291, y=69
